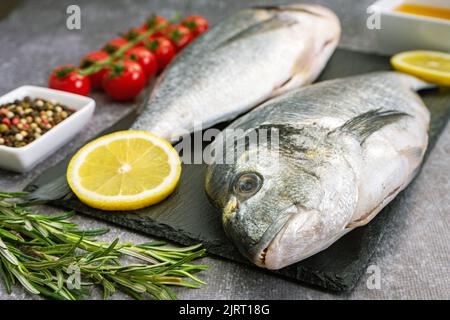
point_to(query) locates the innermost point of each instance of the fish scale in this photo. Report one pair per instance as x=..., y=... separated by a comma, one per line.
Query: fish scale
x=242, y=61
x=347, y=147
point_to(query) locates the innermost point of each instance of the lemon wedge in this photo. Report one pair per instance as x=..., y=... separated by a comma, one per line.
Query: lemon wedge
x=126, y=170
x=431, y=66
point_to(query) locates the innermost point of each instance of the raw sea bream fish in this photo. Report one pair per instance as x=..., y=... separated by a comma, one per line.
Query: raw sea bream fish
x=249, y=57
x=346, y=148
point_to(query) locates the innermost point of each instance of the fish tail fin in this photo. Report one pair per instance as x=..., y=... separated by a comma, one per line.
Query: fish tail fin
x=414, y=83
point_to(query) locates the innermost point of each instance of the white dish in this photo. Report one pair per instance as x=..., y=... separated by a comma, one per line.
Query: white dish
x=402, y=31
x=24, y=158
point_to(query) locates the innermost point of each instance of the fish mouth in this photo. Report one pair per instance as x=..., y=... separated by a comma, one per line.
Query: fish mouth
x=258, y=253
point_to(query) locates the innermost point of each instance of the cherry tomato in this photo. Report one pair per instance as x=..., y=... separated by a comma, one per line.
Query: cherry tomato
x=153, y=21
x=133, y=33
x=114, y=44
x=91, y=58
x=124, y=80
x=163, y=50
x=145, y=58
x=67, y=78
x=197, y=24
x=180, y=35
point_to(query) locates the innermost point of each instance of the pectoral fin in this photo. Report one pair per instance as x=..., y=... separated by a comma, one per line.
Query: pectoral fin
x=366, y=218
x=413, y=154
x=363, y=220
x=302, y=73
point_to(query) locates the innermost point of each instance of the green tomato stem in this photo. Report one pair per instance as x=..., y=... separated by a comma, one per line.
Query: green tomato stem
x=97, y=66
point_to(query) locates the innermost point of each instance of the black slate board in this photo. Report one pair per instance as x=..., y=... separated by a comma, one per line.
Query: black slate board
x=186, y=217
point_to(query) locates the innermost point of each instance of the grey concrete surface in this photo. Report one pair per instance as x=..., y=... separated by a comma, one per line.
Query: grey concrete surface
x=413, y=258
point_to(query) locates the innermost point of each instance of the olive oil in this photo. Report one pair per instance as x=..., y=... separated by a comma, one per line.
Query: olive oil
x=424, y=10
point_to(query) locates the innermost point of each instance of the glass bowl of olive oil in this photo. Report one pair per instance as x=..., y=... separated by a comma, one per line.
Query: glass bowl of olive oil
x=411, y=25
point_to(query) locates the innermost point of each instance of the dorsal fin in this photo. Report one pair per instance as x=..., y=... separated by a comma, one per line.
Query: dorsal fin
x=367, y=123
x=273, y=23
x=287, y=8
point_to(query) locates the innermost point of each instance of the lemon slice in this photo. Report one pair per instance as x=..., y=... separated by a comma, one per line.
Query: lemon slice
x=431, y=66
x=126, y=170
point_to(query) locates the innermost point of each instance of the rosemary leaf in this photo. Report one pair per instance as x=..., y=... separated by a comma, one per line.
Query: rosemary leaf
x=51, y=256
x=24, y=281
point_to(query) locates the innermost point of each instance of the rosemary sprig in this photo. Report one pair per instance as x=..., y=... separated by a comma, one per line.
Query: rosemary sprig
x=51, y=256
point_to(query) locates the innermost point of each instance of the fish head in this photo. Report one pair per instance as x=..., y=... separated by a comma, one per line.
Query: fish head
x=320, y=17
x=281, y=204
x=271, y=204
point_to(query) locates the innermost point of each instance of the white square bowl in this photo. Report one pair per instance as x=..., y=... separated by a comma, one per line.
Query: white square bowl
x=403, y=31
x=24, y=158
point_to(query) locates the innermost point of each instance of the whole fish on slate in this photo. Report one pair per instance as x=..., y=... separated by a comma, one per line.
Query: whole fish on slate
x=346, y=148
x=249, y=57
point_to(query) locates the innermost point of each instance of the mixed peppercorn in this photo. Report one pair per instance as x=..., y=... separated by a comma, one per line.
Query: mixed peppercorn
x=23, y=121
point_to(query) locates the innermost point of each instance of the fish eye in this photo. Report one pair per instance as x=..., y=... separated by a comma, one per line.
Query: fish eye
x=247, y=184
